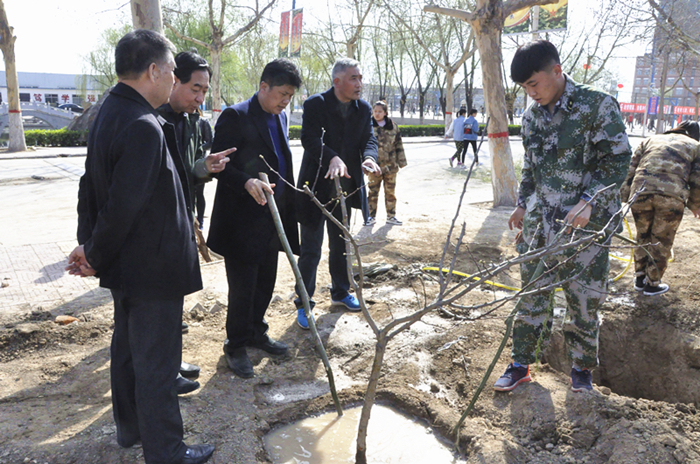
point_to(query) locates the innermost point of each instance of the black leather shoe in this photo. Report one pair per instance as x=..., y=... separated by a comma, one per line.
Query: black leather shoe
x=189, y=370
x=271, y=346
x=197, y=454
x=185, y=327
x=239, y=362
x=184, y=386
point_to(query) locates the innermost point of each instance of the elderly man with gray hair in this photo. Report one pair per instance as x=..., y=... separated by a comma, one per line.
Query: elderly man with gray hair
x=338, y=141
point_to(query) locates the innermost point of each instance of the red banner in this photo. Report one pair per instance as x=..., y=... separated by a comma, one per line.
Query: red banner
x=297, y=21
x=284, y=35
x=641, y=108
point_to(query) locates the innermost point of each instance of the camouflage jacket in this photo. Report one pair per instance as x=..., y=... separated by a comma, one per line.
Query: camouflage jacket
x=391, y=154
x=571, y=155
x=667, y=164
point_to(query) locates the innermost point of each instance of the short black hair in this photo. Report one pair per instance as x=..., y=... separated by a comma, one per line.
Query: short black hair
x=473, y=111
x=138, y=49
x=532, y=57
x=281, y=72
x=188, y=62
x=461, y=111
x=689, y=128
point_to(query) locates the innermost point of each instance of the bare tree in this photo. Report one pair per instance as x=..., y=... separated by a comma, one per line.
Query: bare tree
x=486, y=21
x=146, y=14
x=444, y=57
x=7, y=45
x=218, y=40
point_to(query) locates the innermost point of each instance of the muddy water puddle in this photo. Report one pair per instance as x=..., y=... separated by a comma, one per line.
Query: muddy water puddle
x=392, y=439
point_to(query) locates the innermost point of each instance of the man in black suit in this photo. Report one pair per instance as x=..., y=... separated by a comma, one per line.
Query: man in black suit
x=338, y=140
x=137, y=235
x=242, y=229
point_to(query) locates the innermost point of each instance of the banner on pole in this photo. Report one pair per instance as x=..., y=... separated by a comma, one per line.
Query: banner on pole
x=297, y=21
x=553, y=17
x=517, y=23
x=284, y=35
x=550, y=18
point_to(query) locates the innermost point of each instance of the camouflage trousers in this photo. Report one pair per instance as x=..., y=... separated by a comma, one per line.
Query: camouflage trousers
x=375, y=182
x=584, y=295
x=657, y=218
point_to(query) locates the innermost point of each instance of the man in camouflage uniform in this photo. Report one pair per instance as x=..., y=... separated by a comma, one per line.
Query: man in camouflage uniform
x=575, y=146
x=667, y=166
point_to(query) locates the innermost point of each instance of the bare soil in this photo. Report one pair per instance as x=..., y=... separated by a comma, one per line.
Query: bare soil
x=55, y=393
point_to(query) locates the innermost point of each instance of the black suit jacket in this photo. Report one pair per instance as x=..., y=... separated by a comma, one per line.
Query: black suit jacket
x=133, y=216
x=352, y=139
x=241, y=228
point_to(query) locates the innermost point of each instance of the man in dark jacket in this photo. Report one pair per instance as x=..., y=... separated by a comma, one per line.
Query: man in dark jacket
x=338, y=141
x=190, y=88
x=136, y=233
x=242, y=229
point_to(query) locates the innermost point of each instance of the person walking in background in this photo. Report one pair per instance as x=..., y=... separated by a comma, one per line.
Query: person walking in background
x=456, y=131
x=667, y=167
x=471, y=134
x=391, y=157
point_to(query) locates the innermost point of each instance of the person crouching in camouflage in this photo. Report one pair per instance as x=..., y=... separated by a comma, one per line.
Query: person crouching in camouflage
x=575, y=147
x=391, y=158
x=667, y=166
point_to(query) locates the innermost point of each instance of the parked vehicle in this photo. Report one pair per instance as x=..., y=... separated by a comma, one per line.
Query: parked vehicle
x=71, y=107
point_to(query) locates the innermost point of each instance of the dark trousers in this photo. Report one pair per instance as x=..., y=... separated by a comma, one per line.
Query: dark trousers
x=199, y=202
x=146, y=353
x=250, y=288
x=466, y=146
x=311, y=244
x=461, y=150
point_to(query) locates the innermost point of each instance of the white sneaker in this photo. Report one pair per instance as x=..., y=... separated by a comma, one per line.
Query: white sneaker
x=370, y=221
x=393, y=221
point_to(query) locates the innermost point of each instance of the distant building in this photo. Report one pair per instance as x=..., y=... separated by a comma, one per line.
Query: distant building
x=53, y=89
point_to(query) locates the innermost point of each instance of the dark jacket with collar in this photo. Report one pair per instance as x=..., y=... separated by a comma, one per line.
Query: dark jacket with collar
x=351, y=139
x=191, y=150
x=240, y=227
x=133, y=214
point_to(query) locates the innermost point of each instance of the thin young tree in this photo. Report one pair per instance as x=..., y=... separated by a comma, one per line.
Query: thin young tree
x=7, y=45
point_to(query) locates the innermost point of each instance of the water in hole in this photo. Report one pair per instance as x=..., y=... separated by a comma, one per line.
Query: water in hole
x=392, y=438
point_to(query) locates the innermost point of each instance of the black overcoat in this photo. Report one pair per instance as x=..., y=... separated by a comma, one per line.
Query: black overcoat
x=352, y=139
x=240, y=228
x=133, y=213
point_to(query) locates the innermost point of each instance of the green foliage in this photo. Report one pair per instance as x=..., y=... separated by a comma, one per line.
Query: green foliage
x=55, y=138
x=100, y=61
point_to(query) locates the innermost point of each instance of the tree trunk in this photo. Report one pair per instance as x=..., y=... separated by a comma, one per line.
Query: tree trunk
x=449, y=98
x=370, y=395
x=660, y=116
x=146, y=14
x=215, y=55
x=503, y=180
x=7, y=45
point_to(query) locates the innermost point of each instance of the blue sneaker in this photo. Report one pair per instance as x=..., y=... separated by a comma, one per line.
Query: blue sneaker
x=350, y=302
x=512, y=377
x=302, y=321
x=581, y=380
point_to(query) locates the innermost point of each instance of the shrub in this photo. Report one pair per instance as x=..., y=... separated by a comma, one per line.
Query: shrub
x=433, y=130
x=55, y=138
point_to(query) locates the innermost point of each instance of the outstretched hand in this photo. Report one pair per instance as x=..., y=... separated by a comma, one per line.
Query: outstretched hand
x=579, y=215
x=337, y=168
x=216, y=162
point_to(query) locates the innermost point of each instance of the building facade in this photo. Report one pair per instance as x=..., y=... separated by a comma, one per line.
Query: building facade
x=53, y=89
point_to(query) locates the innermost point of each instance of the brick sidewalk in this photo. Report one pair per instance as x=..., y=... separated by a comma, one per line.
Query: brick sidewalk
x=35, y=275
